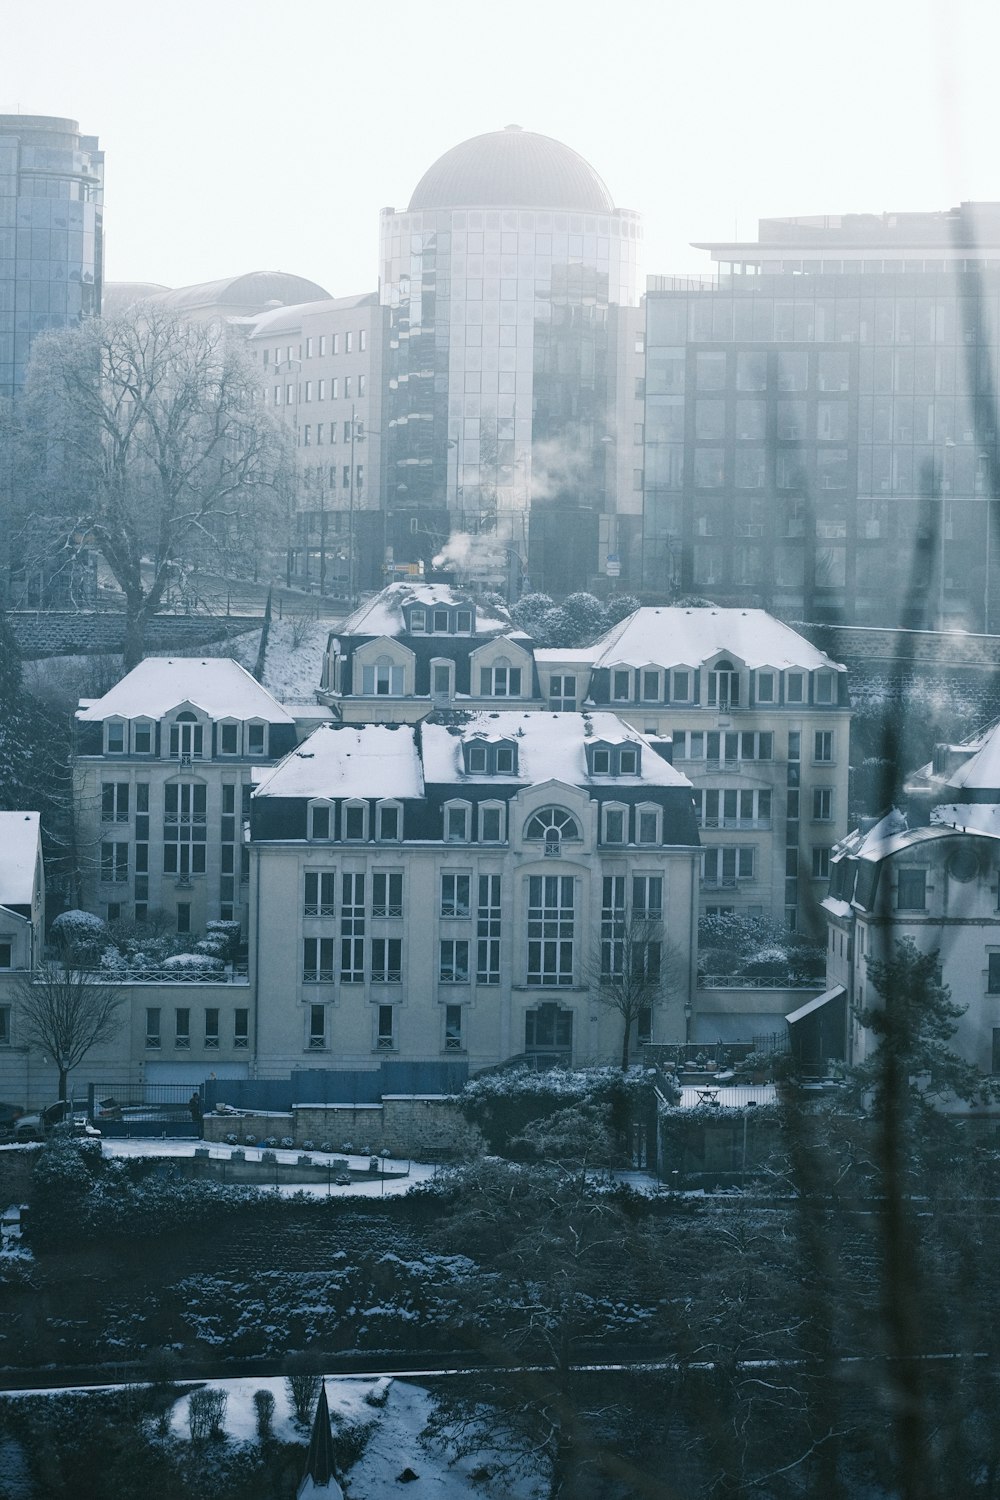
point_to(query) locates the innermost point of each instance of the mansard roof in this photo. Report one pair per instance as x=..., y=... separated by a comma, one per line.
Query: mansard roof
x=677, y=636
x=349, y=760
x=218, y=686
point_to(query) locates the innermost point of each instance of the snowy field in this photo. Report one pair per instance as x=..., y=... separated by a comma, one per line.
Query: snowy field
x=399, y=1176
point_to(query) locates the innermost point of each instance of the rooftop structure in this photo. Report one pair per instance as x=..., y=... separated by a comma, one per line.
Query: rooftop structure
x=515, y=168
x=158, y=685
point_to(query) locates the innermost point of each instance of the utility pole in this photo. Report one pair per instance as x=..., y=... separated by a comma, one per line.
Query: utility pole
x=350, y=521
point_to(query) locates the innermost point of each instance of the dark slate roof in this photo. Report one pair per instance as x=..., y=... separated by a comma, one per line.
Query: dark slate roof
x=512, y=167
x=320, y=1467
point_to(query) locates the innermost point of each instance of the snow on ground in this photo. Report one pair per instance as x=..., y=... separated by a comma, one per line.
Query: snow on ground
x=721, y=1096
x=398, y=1411
x=399, y=1176
x=291, y=672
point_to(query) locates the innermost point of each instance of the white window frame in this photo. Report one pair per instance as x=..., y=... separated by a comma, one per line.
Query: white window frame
x=769, y=677
x=559, y=700
x=149, y=725
x=824, y=680
x=351, y=804
x=614, y=695
x=822, y=739
x=501, y=809
x=449, y=970
x=457, y=806
x=604, y=769
x=614, y=807
x=121, y=725
x=820, y=795
x=437, y=663
x=222, y=725
x=645, y=809
x=252, y=724
x=385, y=1040
x=800, y=679
x=685, y=697
x=381, y=807
x=454, y=1028
x=657, y=695
x=418, y=620
x=317, y=1040
x=321, y=803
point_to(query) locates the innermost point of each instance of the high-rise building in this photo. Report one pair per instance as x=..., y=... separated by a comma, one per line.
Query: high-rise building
x=821, y=421
x=500, y=277
x=51, y=233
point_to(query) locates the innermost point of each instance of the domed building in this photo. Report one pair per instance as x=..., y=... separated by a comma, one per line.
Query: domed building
x=507, y=279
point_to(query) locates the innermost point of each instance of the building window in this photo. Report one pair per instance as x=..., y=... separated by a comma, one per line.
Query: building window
x=822, y=804
x=319, y=821
x=182, y=1027
x=184, y=828
x=186, y=739
x=724, y=686
x=389, y=821
x=453, y=965
x=488, y=930
x=552, y=825
x=650, y=686
x=387, y=960
x=548, y=1029
x=765, y=687
x=229, y=739
x=212, y=1028
x=911, y=890
x=600, y=762
x=456, y=823
x=6, y=953
x=143, y=739
x=615, y=824
x=442, y=673
x=385, y=1036
x=562, y=693
x=114, y=863
x=256, y=739
x=647, y=825
x=453, y=1029
x=387, y=893
x=114, y=801
x=183, y=916
x=824, y=687
x=317, y=960
x=491, y=816
x=794, y=688
x=362, y=339
x=348, y=341
x=382, y=680
x=354, y=822
x=621, y=686
x=5, y=1025
x=352, y=929
x=152, y=1026
x=241, y=1029
x=823, y=746
x=500, y=681
x=418, y=620
x=317, y=1028
x=628, y=761
x=681, y=687
x=550, y=929
x=455, y=895
x=724, y=867
x=821, y=863
x=318, y=893
x=475, y=757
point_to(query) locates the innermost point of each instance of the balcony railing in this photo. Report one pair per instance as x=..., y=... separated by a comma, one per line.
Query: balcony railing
x=158, y=975
x=754, y=982
x=735, y=823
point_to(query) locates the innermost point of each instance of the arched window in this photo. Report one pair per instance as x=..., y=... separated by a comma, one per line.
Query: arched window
x=552, y=825
x=186, y=738
x=724, y=684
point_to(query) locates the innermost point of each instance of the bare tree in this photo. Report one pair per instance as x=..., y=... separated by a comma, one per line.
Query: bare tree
x=141, y=437
x=635, y=967
x=65, y=1013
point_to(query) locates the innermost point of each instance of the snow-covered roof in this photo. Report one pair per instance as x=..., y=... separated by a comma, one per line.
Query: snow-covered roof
x=981, y=770
x=687, y=637
x=19, y=843
x=383, y=615
x=556, y=656
x=218, y=686
x=873, y=852
x=358, y=760
x=968, y=817
x=550, y=747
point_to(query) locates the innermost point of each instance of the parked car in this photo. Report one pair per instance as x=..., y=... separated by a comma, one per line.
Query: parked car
x=9, y=1115
x=37, y=1127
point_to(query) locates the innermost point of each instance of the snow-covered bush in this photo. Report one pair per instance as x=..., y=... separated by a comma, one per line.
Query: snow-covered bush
x=263, y=1402
x=287, y=1142
x=308, y=1146
x=228, y=933
x=194, y=962
x=325, y=1146
x=80, y=935
x=249, y=1140
x=206, y=1410
x=231, y=1139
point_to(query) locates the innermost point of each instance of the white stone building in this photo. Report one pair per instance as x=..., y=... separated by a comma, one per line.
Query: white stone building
x=443, y=888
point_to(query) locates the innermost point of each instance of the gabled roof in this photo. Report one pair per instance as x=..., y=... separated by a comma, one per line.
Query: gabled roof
x=356, y=760
x=19, y=845
x=675, y=636
x=383, y=615
x=220, y=687
x=982, y=770
x=550, y=747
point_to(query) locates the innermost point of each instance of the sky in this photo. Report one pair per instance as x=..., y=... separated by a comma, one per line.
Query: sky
x=242, y=135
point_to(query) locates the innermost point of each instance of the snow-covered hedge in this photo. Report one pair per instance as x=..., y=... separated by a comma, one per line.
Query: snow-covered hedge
x=200, y=961
x=504, y=1104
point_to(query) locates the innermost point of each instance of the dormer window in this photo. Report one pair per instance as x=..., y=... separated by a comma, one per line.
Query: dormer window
x=441, y=622
x=456, y=823
x=765, y=687
x=613, y=760
x=476, y=756
x=319, y=820
x=628, y=761
x=681, y=689
x=186, y=739
x=621, y=686
x=505, y=759
x=601, y=762
x=256, y=739
x=824, y=687
x=229, y=739
x=383, y=680
x=794, y=692
x=650, y=686
x=418, y=621
x=463, y=622
x=142, y=738
x=552, y=825
x=353, y=821
x=724, y=685
x=114, y=731
x=501, y=680
x=491, y=822
x=389, y=815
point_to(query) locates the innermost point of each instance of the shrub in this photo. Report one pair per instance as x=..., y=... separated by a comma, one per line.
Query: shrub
x=232, y=1140
x=250, y=1140
x=270, y=1142
x=80, y=935
x=325, y=1146
x=264, y=1407
x=206, y=1409
x=287, y=1142
x=308, y=1146
x=303, y=1392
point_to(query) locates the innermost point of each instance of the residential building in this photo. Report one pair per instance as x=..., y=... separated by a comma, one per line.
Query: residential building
x=759, y=720
x=929, y=874
x=22, y=925
x=321, y=366
x=820, y=424
x=500, y=278
x=415, y=648
x=162, y=778
x=456, y=888
x=51, y=234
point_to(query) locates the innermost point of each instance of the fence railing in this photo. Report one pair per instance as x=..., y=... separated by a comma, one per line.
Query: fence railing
x=158, y=975
x=754, y=982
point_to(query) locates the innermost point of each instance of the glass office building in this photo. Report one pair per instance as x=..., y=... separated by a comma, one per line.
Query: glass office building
x=51, y=230
x=499, y=277
x=821, y=422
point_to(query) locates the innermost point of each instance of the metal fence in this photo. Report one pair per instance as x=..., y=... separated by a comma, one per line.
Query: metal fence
x=143, y=1109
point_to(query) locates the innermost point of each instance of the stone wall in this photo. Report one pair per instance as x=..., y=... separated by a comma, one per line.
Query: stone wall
x=413, y=1127
x=43, y=633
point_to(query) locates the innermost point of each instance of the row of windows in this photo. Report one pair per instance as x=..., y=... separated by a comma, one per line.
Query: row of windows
x=549, y=826
x=385, y=1028
x=186, y=739
x=350, y=385
x=712, y=745
x=738, y=808
x=317, y=346
x=209, y=1030
x=725, y=686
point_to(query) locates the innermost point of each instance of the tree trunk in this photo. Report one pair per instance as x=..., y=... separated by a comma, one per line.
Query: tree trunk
x=135, y=636
x=626, y=1037
x=63, y=1082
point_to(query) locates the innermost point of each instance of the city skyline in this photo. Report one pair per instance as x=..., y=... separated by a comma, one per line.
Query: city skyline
x=765, y=115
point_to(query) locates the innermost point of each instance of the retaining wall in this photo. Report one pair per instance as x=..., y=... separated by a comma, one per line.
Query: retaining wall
x=409, y=1126
x=43, y=633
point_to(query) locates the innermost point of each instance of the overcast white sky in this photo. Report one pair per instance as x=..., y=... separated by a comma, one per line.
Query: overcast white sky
x=243, y=135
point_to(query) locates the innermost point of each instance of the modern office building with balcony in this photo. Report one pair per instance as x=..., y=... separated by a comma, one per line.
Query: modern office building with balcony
x=821, y=421
x=51, y=234
x=500, y=278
